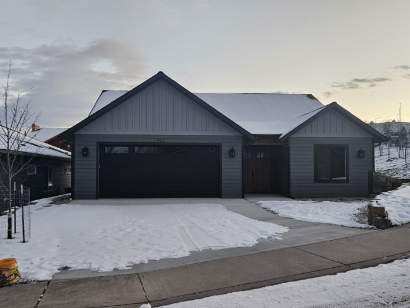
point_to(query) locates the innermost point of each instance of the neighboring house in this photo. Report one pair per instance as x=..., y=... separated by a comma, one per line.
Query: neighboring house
x=398, y=133
x=48, y=170
x=50, y=135
x=159, y=139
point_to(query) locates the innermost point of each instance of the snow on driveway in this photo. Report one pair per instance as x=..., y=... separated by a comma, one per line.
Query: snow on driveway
x=345, y=213
x=386, y=285
x=107, y=237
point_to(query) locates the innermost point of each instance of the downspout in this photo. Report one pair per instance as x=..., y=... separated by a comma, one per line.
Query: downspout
x=73, y=168
x=372, y=171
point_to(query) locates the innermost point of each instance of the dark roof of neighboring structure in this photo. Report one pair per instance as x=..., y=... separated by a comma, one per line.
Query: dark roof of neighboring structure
x=46, y=133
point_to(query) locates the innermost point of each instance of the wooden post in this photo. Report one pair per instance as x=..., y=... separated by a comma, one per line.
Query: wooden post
x=15, y=208
x=29, y=212
x=22, y=214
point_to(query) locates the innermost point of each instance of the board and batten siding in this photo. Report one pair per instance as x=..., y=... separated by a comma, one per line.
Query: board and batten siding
x=331, y=127
x=159, y=114
x=159, y=109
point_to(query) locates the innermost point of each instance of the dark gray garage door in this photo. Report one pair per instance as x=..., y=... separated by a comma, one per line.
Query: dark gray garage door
x=130, y=170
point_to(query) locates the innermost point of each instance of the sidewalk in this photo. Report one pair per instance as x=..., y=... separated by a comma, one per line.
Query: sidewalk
x=217, y=276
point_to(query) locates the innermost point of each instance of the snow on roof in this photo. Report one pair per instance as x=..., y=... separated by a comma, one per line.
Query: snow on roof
x=36, y=147
x=106, y=97
x=264, y=113
x=46, y=133
x=258, y=113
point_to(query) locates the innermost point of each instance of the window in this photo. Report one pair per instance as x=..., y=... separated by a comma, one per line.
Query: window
x=31, y=170
x=260, y=155
x=67, y=170
x=146, y=149
x=331, y=163
x=116, y=149
x=50, y=177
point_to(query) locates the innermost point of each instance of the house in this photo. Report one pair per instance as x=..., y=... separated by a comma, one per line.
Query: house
x=159, y=139
x=50, y=135
x=398, y=133
x=46, y=169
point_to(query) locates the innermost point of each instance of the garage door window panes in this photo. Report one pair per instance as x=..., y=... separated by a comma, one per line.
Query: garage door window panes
x=144, y=170
x=116, y=149
x=146, y=149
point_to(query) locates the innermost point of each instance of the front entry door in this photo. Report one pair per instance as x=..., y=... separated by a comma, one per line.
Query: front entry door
x=259, y=170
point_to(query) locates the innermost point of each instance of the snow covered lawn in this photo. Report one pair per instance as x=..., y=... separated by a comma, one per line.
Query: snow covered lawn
x=332, y=212
x=396, y=203
x=107, y=237
x=392, y=164
x=345, y=213
x=382, y=286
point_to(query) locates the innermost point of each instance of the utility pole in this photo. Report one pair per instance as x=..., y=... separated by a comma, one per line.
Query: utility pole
x=400, y=112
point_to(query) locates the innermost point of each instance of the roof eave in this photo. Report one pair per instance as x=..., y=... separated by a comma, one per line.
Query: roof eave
x=377, y=136
x=23, y=153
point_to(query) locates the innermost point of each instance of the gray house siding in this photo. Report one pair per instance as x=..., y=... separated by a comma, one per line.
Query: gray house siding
x=158, y=114
x=329, y=128
x=85, y=168
x=302, y=182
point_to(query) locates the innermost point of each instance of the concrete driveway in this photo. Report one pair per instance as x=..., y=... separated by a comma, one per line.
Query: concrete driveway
x=300, y=233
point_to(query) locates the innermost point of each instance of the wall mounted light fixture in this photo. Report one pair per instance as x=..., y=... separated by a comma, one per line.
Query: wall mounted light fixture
x=232, y=153
x=85, y=151
x=361, y=154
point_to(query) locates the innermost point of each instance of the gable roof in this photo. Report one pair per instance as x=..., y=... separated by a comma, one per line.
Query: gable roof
x=335, y=106
x=258, y=113
x=249, y=113
x=100, y=109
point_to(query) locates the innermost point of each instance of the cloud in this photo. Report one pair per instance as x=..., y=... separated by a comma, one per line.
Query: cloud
x=327, y=94
x=357, y=83
x=402, y=67
x=370, y=80
x=345, y=85
x=62, y=81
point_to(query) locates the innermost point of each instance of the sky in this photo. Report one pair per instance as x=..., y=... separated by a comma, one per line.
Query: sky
x=63, y=53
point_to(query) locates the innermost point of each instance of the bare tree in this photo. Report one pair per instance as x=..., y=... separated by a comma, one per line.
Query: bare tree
x=15, y=132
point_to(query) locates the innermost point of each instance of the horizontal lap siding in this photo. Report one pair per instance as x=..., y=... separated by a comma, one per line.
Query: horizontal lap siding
x=86, y=167
x=302, y=167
